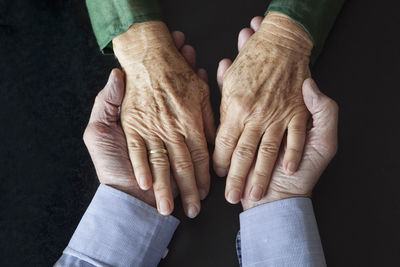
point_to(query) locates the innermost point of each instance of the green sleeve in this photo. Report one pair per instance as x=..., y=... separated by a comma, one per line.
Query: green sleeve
x=316, y=16
x=110, y=18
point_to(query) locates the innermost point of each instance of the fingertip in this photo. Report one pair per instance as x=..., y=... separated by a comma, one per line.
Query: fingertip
x=203, y=193
x=165, y=207
x=244, y=35
x=255, y=23
x=221, y=172
x=290, y=167
x=179, y=39
x=189, y=54
x=202, y=73
x=233, y=196
x=223, y=66
x=192, y=210
x=144, y=182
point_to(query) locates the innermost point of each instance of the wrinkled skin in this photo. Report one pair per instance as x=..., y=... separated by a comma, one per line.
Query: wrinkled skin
x=261, y=100
x=320, y=142
x=106, y=140
x=166, y=105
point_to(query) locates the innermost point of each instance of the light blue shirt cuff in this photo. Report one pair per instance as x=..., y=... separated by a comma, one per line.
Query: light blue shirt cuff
x=281, y=233
x=119, y=230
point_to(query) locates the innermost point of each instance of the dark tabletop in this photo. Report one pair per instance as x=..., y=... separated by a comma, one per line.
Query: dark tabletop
x=51, y=70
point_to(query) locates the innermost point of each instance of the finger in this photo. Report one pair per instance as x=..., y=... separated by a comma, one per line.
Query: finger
x=244, y=35
x=108, y=100
x=266, y=157
x=183, y=171
x=296, y=137
x=202, y=73
x=189, y=54
x=139, y=159
x=255, y=23
x=224, y=64
x=242, y=159
x=225, y=143
x=324, y=112
x=179, y=39
x=159, y=164
x=199, y=153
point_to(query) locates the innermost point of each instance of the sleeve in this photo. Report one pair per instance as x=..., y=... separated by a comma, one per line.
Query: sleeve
x=280, y=233
x=119, y=230
x=111, y=18
x=316, y=17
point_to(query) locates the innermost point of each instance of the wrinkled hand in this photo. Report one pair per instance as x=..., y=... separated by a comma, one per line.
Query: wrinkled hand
x=320, y=143
x=261, y=100
x=319, y=149
x=166, y=105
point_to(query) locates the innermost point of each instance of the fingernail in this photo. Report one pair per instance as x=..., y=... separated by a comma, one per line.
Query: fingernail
x=143, y=183
x=221, y=172
x=164, y=206
x=192, y=211
x=233, y=196
x=203, y=194
x=291, y=167
x=256, y=193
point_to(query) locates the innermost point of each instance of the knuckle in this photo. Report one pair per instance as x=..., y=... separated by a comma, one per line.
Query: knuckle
x=293, y=150
x=160, y=189
x=244, y=152
x=261, y=175
x=188, y=193
x=225, y=141
x=269, y=149
x=159, y=160
x=183, y=166
x=298, y=128
x=134, y=144
x=199, y=155
x=235, y=181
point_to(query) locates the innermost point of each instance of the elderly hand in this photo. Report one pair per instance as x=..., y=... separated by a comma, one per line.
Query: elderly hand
x=320, y=142
x=319, y=149
x=106, y=140
x=261, y=99
x=166, y=108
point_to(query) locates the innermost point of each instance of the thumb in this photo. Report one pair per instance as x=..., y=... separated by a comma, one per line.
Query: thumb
x=108, y=100
x=324, y=112
x=223, y=66
x=114, y=90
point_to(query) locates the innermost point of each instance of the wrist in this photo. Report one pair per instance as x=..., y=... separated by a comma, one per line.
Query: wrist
x=282, y=31
x=271, y=197
x=142, y=41
x=136, y=192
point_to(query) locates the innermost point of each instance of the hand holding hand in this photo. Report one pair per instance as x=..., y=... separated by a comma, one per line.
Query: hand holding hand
x=320, y=147
x=261, y=99
x=166, y=106
x=106, y=140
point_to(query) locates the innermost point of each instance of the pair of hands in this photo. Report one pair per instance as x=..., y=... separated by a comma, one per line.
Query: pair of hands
x=160, y=109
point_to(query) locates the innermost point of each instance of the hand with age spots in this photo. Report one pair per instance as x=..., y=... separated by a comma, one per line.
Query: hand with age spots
x=261, y=100
x=320, y=142
x=106, y=140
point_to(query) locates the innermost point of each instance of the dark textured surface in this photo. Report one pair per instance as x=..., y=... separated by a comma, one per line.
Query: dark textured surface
x=51, y=70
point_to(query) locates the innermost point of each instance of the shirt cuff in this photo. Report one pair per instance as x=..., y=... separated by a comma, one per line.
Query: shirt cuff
x=111, y=18
x=281, y=233
x=316, y=17
x=120, y=230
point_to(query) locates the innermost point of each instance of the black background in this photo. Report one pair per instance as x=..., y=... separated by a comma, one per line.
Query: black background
x=51, y=70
